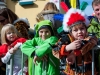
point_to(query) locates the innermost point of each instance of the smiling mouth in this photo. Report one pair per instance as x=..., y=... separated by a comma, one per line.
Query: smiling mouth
x=80, y=36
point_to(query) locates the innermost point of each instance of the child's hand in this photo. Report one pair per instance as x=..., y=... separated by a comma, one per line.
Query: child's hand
x=35, y=59
x=44, y=58
x=74, y=45
x=17, y=45
x=15, y=48
x=12, y=50
x=70, y=58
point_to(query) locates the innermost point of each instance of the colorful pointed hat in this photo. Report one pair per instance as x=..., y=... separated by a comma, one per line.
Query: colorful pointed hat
x=72, y=17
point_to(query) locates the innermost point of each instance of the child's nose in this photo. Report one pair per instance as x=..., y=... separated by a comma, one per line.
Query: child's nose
x=79, y=31
x=44, y=33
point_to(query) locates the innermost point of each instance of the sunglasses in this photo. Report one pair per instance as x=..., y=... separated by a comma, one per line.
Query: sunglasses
x=2, y=20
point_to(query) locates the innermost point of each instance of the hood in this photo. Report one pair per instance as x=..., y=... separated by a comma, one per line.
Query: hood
x=25, y=20
x=49, y=12
x=42, y=23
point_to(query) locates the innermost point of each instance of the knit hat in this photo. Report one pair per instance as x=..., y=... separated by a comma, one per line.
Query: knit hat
x=73, y=17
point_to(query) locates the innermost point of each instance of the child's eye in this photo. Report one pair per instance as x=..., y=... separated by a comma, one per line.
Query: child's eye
x=75, y=30
x=41, y=31
x=96, y=9
x=82, y=28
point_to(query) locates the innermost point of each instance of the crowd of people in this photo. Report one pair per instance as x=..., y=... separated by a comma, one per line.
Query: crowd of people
x=60, y=44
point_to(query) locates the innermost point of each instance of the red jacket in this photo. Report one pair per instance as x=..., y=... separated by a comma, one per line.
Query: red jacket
x=4, y=47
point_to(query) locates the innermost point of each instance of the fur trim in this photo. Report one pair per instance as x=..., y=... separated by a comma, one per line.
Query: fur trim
x=72, y=16
x=24, y=20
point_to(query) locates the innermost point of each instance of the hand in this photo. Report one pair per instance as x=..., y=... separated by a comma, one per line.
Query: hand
x=12, y=50
x=94, y=40
x=17, y=45
x=70, y=58
x=36, y=58
x=74, y=45
x=44, y=58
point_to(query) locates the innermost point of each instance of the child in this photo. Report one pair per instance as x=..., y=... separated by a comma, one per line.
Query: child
x=39, y=48
x=6, y=16
x=11, y=42
x=75, y=47
x=95, y=28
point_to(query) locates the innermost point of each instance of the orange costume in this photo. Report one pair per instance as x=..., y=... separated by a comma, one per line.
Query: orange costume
x=83, y=57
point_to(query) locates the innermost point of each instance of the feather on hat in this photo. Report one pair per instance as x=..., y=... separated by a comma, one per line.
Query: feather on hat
x=73, y=16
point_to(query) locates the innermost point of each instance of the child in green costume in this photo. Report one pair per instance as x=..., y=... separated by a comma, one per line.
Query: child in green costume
x=40, y=52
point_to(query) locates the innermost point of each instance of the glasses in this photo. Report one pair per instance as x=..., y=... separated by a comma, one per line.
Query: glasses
x=2, y=20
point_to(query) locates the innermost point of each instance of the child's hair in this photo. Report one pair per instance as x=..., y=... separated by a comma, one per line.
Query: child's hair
x=6, y=28
x=48, y=27
x=95, y=2
x=78, y=25
x=50, y=6
x=8, y=14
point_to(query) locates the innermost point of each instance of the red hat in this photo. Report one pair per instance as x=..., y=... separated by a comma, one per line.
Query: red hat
x=72, y=17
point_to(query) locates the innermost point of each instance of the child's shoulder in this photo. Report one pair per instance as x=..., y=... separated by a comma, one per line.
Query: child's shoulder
x=22, y=40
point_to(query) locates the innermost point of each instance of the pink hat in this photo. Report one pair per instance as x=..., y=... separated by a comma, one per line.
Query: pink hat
x=72, y=17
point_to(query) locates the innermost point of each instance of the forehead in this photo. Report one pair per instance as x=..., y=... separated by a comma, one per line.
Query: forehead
x=79, y=26
x=44, y=29
x=96, y=4
x=9, y=29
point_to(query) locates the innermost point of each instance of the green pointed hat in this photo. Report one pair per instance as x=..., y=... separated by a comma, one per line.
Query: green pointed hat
x=42, y=23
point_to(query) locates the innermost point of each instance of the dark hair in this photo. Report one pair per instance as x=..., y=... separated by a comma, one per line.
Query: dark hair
x=48, y=27
x=8, y=14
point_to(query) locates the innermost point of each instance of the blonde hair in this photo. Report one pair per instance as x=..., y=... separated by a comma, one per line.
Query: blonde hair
x=50, y=6
x=6, y=28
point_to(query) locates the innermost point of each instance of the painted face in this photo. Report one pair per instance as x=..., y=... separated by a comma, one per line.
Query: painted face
x=11, y=35
x=44, y=33
x=79, y=32
x=97, y=10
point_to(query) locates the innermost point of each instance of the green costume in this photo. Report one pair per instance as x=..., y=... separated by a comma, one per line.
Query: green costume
x=40, y=47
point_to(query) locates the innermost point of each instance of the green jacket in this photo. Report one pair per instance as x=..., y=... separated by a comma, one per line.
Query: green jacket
x=40, y=47
x=94, y=27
